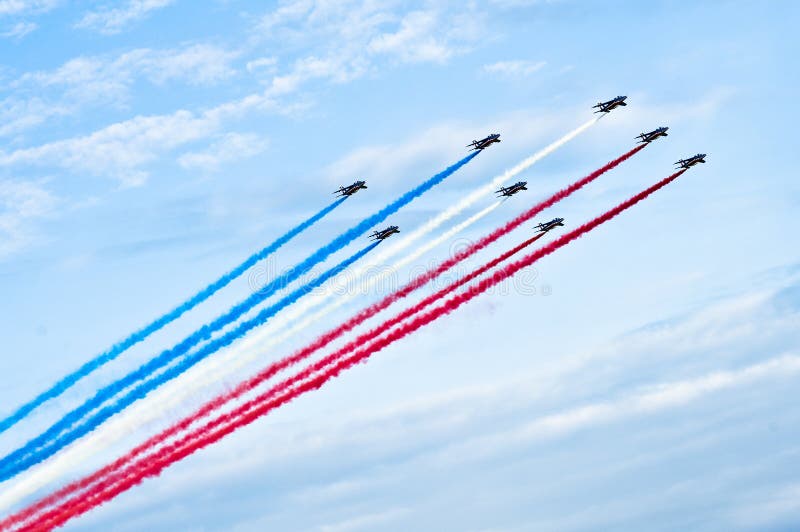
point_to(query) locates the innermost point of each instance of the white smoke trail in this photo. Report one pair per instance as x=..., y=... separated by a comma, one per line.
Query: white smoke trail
x=375, y=260
x=153, y=407
x=252, y=346
x=204, y=374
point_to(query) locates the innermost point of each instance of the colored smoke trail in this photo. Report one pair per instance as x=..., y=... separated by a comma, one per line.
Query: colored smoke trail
x=252, y=347
x=117, y=349
x=87, y=448
x=234, y=359
x=431, y=225
x=170, y=373
x=186, y=423
x=16, y=461
x=167, y=398
x=317, y=375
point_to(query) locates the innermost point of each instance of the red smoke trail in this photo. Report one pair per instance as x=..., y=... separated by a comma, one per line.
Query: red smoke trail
x=153, y=442
x=183, y=425
x=293, y=387
x=322, y=341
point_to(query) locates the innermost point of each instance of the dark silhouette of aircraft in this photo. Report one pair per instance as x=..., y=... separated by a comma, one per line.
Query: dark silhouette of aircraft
x=484, y=142
x=552, y=224
x=606, y=107
x=691, y=161
x=349, y=190
x=653, y=135
x=513, y=189
x=385, y=233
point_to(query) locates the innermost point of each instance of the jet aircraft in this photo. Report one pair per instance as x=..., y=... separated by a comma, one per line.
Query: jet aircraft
x=349, y=190
x=691, y=161
x=484, y=142
x=513, y=189
x=548, y=226
x=653, y=135
x=606, y=107
x=385, y=233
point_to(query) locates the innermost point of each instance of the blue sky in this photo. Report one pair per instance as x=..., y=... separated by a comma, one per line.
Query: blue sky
x=147, y=146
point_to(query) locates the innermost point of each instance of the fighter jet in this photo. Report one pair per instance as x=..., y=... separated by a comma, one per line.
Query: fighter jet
x=513, y=189
x=691, y=161
x=484, y=142
x=349, y=190
x=653, y=135
x=552, y=224
x=606, y=107
x=385, y=233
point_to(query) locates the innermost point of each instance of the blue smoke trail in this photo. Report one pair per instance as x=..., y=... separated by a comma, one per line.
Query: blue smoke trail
x=118, y=348
x=54, y=445
x=8, y=467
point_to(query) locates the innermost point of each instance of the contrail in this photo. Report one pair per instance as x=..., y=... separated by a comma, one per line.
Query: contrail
x=140, y=391
x=137, y=416
x=312, y=378
x=117, y=349
x=14, y=462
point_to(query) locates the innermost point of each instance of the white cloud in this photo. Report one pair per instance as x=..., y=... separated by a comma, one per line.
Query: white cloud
x=100, y=80
x=337, y=69
x=231, y=147
x=119, y=151
x=359, y=33
x=514, y=69
x=262, y=64
x=346, y=39
x=20, y=30
x=21, y=204
x=19, y=115
x=110, y=20
x=289, y=11
x=416, y=40
x=21, y=7
x=199, y=63
x=103, y=77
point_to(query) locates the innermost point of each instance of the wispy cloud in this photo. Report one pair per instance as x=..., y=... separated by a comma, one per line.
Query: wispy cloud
x=21, y=205
x=121, y=150
x=111, y=20
x=262, y=64
x=17, y=115
x=415, y=40
x=514, y=69
x=94, y=76
x=340, y=42
x=346, y=40
x=24, y=7
x=648, y=401
x=231, y=147
x=565, y=421
x=20, y=30
x=91, y=81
